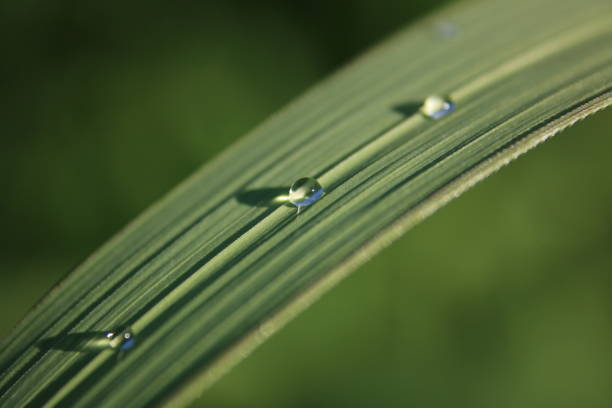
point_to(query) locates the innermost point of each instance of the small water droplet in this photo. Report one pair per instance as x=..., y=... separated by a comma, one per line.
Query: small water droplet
x=435, y=107
x=304, y=192
x=120, y=339
x=445, y=29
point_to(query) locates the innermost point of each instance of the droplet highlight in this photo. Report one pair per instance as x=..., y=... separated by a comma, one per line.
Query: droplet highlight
x=304, y=192
x=435, y=107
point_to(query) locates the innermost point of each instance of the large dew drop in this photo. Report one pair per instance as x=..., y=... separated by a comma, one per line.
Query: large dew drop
x=435, y=107
x=304, y=192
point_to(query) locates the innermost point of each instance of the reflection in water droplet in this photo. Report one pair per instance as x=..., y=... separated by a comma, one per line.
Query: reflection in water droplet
x=304, y=192
x=120, y=339
x=436, y=107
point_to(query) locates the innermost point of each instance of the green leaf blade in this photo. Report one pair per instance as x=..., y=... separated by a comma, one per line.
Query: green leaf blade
x=203, y=278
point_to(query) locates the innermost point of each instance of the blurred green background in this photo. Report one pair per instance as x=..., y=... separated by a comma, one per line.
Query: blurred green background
x=500, y=299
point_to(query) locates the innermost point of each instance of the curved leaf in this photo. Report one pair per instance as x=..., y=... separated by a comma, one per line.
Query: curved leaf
x=216, y=267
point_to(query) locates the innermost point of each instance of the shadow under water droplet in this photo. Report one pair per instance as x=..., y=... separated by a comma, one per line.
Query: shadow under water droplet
x=264, y=197
x=408, y=108
x=82, y=342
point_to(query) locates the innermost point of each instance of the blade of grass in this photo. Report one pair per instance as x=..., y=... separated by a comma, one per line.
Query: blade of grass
x=203, y=277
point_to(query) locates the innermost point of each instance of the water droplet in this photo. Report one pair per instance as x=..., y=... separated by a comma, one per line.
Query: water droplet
x=445, y=29
x=435, y=107
x=304, y=192
x=120, y=339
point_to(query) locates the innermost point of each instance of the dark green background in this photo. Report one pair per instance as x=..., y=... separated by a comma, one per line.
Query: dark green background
x=501, y=299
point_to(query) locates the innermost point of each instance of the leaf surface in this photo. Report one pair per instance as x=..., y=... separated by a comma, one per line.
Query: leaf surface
x=217, y=266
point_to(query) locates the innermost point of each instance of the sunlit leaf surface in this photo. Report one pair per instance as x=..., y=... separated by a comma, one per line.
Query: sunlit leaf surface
x=212, y=270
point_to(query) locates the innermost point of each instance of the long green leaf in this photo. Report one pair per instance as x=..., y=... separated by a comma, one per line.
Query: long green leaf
x=216, y=267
